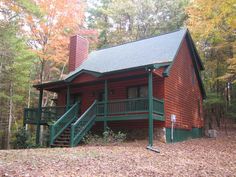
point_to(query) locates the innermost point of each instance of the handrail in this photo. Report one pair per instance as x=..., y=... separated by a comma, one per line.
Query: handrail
x=61, y=124
x=122, y=100
x=83, y=124
x=160, y=100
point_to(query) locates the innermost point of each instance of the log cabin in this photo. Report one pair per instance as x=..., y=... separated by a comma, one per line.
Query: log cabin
x=150, y=88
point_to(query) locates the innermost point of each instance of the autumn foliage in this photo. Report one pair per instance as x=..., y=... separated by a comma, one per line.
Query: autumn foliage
x=50, y=33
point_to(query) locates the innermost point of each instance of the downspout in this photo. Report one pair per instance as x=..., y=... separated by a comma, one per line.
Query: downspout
x=172, y=132
x=173, y=120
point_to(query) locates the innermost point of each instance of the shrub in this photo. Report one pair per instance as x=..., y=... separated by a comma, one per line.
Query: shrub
x=92, y=139
x=108, y=136
x=22, y=139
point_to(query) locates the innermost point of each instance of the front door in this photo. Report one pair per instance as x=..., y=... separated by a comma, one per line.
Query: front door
x=76, y=97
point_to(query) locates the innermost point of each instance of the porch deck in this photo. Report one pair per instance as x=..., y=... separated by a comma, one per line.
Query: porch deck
x=114, y=110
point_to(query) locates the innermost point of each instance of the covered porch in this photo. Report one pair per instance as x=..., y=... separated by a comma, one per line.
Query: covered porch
x=148, y=108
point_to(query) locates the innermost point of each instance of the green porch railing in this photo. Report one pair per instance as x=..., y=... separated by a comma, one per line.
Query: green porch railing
x=83, y=125
x=30, y=116
x=48, y=114
x=123, y=106
x=114, y=107
x=126, y=106
x=158, y=106
x=61, y=124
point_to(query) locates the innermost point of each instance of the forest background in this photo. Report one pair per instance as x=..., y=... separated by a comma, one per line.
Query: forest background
x=34, y=39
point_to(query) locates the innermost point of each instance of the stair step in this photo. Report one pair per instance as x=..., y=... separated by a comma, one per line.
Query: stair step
x=64, y=135
x=63, y=138
x=56, y=145
x=61, y=142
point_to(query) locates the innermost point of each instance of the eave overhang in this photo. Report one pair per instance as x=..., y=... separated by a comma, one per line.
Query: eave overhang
x=50, y=86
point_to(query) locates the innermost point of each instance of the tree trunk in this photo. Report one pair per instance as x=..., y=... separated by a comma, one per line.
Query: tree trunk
x=29, y=98
x=61, y=74
x=10, y=115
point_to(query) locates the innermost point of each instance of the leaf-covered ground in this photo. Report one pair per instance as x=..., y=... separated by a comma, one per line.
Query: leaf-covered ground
x=199, y=157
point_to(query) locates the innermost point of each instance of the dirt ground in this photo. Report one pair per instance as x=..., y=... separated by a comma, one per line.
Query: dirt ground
x=198, y=157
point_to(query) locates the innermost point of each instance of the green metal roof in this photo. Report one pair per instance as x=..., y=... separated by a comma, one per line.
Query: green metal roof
x=154, y=50
x=151, y=52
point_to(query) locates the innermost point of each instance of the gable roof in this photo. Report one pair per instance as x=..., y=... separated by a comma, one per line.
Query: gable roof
x=155, y=50
x=152, y=52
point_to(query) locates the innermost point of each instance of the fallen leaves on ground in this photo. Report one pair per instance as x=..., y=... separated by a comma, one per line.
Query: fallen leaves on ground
x=198, y=157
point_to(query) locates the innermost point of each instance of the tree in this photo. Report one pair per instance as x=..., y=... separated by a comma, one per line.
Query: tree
x=212, y=24
x=49, y=37
x=15, y=63
x=127, y=20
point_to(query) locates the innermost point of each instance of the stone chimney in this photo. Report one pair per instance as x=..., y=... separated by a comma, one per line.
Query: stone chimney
x=78, y=51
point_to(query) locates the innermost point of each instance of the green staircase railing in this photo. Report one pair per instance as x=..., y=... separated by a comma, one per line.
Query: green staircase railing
x=61, y=124
x=83, y=124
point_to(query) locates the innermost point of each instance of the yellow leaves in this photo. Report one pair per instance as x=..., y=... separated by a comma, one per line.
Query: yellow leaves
x=49, y=31
x=210, y=16
x=213, y=25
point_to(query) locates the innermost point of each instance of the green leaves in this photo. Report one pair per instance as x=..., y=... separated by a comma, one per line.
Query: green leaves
x=16, y=62
x=122, y=21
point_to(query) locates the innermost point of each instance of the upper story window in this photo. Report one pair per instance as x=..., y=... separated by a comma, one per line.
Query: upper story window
x=138, y=92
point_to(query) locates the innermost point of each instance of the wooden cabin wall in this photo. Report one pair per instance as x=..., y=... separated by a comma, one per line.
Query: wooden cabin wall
x=182, y=93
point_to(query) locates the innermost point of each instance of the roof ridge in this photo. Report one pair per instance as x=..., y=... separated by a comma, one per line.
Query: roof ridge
x=162, y=34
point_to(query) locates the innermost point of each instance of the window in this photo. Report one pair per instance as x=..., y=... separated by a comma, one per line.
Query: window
x=138, y=92
x=132, y=92
x=143, y=91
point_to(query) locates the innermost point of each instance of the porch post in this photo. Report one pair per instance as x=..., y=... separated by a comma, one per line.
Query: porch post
x=39, y=115
x=105, y=104
x=68, y=98
x=150, y=108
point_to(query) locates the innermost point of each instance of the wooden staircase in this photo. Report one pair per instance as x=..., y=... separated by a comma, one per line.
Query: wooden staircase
x=69, y=130
x=63, y=140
